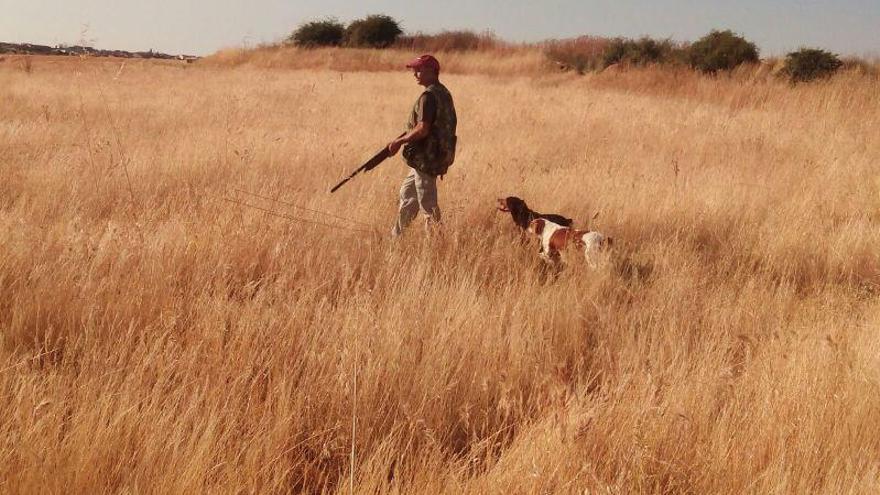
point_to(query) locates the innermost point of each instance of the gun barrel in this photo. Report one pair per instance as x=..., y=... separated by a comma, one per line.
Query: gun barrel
x=337, y=186
x=372, y=163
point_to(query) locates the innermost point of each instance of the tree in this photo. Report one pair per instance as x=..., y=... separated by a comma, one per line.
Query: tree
x=721, y=50
x=809, y=64
x=326, y=32
x=374, y=31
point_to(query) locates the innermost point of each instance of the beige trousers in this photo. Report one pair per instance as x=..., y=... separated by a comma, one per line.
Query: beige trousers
x=418, y=192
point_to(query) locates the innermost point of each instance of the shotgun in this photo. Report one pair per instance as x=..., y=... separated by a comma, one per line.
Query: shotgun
x=366, y=167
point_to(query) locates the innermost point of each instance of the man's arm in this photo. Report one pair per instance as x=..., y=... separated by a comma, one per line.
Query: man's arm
x=427, y=114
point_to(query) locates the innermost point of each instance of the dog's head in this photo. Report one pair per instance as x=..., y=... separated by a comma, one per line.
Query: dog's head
x=518, y=210
x=511, y=204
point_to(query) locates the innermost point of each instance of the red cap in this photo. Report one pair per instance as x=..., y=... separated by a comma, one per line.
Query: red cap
x=425, y=62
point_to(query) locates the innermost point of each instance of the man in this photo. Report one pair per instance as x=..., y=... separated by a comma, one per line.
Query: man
x=428, y=145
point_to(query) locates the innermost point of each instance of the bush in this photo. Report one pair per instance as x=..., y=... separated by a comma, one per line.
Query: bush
x=721, y=50
x=581, y=54
x=374, y=31
x=327, y=32
x=643, y=51
x=809, y=64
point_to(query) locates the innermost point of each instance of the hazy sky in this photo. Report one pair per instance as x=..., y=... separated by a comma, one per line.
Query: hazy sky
x=201, y=27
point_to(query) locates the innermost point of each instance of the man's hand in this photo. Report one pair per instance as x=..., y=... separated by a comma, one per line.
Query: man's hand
x=420, y=131
x=394, y=146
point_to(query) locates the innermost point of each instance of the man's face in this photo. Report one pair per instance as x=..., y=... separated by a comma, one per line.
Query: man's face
x=424, y=76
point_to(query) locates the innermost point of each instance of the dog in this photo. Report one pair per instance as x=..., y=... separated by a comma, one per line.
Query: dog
x=555, y=238
x=522, y=215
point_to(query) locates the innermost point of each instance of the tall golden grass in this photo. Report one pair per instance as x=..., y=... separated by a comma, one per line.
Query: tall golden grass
x=158, y=339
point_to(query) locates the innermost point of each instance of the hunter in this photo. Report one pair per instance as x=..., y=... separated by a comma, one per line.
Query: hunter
x=428, y=146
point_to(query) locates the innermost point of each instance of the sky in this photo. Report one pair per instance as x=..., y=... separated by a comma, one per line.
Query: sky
x=847, y=27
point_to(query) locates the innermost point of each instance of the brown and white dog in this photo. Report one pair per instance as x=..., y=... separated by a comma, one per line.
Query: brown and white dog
x=522, y=214
x=555, y=238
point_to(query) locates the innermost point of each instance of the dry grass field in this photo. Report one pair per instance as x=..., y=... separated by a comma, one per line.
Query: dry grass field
x=155, y=338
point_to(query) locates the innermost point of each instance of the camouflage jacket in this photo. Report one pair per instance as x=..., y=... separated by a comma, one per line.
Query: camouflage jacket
x=435, y=153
